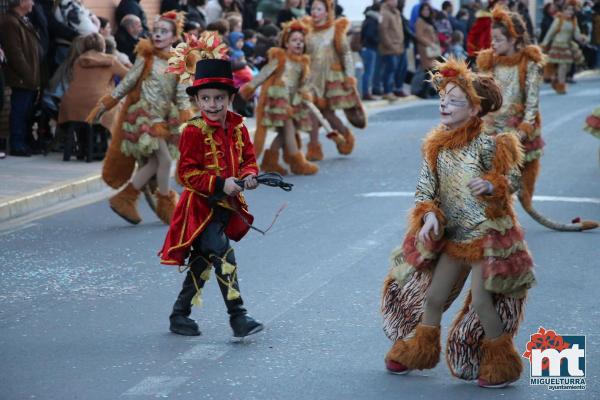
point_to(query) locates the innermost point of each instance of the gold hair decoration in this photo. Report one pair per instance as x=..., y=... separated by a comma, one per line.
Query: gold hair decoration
x=185, y=56
x=176, y=18
x=455, y=71
x=294, y=25
x=501, y=16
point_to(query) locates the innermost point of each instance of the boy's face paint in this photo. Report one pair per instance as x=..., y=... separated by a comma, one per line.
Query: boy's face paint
x=455, y=109
x=214, y=103
x=295, y=43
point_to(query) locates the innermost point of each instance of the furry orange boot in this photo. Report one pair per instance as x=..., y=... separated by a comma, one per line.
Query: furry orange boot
x=124, y=204
x=419, y=352
x=560, y=88
x=347, y=146
x=314, y=152
x=270, y=162
x=165, y=206
x=300, y=166
x=500, y=362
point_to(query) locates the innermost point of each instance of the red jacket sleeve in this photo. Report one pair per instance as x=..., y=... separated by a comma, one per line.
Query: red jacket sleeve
x=248, y=165
x=190, y=170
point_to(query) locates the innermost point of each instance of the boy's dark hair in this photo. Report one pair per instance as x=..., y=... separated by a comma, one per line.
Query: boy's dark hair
x=446, y=4
x=249, y=34
x=191, y=25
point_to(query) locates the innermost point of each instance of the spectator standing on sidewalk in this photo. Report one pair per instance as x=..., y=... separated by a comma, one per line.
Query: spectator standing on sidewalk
x=21, y=45
x=428, y=48
x=293, y=9
x=92, y=78
x=369, y=36
x=127, y=7
x=391, y=44
x=128, y=35
x=217, y=9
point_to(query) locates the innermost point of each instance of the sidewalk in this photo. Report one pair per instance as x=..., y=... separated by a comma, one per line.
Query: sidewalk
x=29, y=184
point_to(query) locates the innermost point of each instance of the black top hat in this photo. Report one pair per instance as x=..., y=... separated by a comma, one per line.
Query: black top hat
x=212, y=73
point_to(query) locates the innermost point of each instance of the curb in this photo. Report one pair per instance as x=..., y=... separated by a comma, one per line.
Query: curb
x=19, y=206
x=51, y=195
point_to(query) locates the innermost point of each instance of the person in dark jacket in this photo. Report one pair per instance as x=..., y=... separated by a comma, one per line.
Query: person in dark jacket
x=128, y=35
x=293, y=9
x=369, y=37
x=21, y=45
x=127, y=7
x=61, y=36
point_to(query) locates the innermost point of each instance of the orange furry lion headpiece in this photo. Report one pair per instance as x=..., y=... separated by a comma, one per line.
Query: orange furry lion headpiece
x=455, y=71
x=176, y=18
x=294, y=25
x=501, y=16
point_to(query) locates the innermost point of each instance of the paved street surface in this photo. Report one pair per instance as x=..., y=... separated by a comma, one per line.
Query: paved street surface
x=84, y=303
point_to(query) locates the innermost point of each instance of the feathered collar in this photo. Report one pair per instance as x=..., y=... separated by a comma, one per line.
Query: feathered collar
x=531, y=52
x=145, y=49
x=442, y=138
x=487, y=59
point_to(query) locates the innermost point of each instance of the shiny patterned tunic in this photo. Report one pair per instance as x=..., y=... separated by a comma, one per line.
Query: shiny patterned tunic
x=284, y=83
x=332, y=66
x=519, y=78
x=562, y=49
x=475, y=229
x=161, y=98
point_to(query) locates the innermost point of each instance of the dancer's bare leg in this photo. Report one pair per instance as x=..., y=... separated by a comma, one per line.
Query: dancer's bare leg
x=483, y=303
x=289, y=138
x=446, y=274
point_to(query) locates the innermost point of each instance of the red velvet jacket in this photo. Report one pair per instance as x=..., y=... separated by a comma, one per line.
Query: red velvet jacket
x=480, y=34
x=209, y=155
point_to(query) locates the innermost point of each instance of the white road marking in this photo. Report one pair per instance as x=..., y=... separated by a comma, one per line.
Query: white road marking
x=559, y=199
x=558, y=122
x=156, y=386
x=16, y=229
x=204, y=352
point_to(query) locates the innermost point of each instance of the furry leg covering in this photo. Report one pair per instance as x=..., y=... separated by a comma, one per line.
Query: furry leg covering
x=270, y=162
x=166, y=206
x=124, y=204
x=419, y=352
x=300, y=166
x=465, y=338
x=347, y=145
x=500, y=362
x=314, y=152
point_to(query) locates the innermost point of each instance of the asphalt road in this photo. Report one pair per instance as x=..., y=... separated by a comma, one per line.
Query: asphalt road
x=84, y=303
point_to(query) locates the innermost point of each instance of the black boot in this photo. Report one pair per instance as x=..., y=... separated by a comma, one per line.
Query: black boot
x=241, y=323
x=179, y=318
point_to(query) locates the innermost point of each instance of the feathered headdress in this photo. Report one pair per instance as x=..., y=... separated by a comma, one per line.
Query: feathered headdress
x=455, y=71
x=187, y=54
x=501, y=16
x=176, y=18
x=294, y=25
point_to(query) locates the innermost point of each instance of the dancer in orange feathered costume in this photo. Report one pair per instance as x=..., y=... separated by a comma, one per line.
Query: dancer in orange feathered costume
x=332, y=78
x=285, y=102
x=147, y=127
x=517, y=67
x=463, y=223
